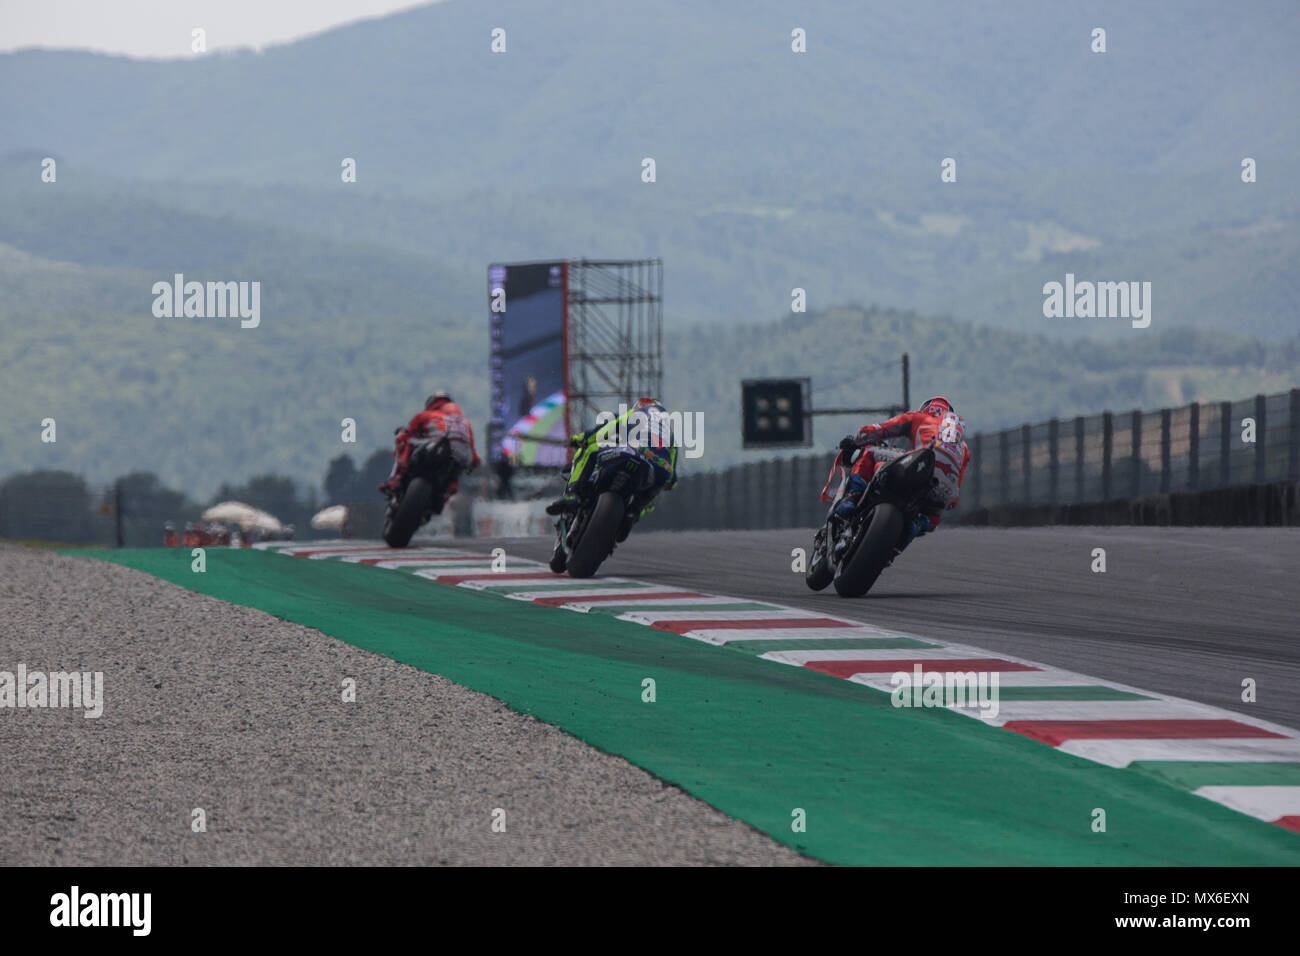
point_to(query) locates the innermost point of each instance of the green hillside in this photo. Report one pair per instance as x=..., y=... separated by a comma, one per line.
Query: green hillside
x=202, y=401
x=995, y=377
x=775, y=170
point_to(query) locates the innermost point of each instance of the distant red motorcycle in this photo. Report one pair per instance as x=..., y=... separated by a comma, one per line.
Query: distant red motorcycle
x=431, y=453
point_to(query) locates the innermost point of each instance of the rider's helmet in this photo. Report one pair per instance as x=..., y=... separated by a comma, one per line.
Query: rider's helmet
x=937, y=406
x=437, y=398
x=658, y=425
x=952, y=428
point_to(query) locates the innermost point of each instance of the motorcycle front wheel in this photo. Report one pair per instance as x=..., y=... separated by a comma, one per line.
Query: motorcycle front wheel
x=820, y=570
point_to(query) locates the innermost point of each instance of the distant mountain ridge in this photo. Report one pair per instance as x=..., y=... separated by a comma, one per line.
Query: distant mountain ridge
x=775, y=170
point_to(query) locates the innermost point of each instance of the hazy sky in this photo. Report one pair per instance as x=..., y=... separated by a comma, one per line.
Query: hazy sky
x=161, y=28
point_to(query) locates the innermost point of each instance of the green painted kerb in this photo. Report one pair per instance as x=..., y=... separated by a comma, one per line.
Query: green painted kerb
x=756, y=739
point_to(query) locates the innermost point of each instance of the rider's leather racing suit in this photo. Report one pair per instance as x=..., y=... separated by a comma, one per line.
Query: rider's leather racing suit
x=951, y=456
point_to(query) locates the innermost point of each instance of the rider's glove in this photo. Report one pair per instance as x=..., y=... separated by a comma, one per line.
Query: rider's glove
x=848, y=445
x=576, y=441
x=871, y=435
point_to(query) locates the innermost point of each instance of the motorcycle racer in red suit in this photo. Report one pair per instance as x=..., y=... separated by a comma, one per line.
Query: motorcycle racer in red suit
x=935, y=421
x=441, y=415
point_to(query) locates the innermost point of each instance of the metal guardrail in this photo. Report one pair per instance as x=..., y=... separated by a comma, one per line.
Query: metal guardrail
x=1080, y=460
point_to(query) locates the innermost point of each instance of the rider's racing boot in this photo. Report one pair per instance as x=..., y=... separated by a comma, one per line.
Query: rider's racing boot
x=625, y=528
x=919, y=525
x=852, y=495
x=567, y=504
x=629, y=519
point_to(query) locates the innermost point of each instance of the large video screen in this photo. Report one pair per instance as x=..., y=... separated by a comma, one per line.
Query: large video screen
x=526, y=305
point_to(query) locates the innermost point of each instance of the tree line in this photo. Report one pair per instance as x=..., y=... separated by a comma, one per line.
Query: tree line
x=62, y=507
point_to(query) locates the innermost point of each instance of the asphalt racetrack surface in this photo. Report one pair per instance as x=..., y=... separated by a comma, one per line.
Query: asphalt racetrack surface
x=223, y=708
x=1191, y=612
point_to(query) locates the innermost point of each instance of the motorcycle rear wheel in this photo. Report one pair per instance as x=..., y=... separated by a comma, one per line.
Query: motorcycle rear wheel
x=872, y=553
x=402, y=523
x=597, y=541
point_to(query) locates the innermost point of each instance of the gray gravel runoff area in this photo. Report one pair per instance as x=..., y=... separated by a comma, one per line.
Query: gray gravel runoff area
x=227, y=709
x=1190, y=612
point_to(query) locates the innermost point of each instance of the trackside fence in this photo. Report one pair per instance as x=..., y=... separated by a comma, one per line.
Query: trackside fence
x=1222, y=463
x=1061, y=462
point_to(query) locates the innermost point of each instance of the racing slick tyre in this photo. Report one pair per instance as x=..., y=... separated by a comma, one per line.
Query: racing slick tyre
x=597, y=541
x=875, y=547
x=401, y=524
